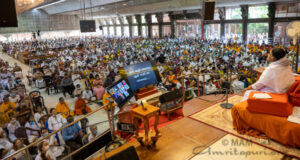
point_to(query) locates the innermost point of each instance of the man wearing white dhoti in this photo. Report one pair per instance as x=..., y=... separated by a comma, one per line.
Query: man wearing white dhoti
x=278, y=76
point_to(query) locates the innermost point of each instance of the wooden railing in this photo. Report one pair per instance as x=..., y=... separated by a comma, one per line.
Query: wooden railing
x=26, y=149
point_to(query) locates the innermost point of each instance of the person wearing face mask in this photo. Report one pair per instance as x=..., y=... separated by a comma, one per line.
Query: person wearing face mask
x=55, y=122
x=44, y=152
x=32, y=124
x=3, y=93
x=11, y=127
x=94, y=133
x=54, y=146
x=14, y=98
x=73, y=135
x=4, y=143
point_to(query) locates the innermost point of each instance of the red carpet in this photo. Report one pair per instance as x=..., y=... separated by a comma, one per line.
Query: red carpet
x=163, y=121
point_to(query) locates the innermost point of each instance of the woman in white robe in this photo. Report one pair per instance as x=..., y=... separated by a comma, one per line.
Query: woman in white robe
x=278, y=76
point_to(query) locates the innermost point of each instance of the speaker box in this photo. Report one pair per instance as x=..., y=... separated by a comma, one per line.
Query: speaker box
x=127, y=154
x=209, y=10
x=8, y=15
x=170, y=96
x=101, y=28
x=87, y=26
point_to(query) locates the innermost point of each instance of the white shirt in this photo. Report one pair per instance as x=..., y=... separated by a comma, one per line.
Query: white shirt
x=91, y=137
x=11, y=130
x=15, y=100
x=4, y=143
x=37, y=116
x=34, y=126
x=87, y=94
x=56, y=123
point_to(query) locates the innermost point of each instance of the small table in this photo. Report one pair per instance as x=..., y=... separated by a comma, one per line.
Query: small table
x=140, y=113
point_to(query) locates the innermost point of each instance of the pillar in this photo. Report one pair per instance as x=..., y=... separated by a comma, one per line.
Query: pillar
x=149, y=23
x=172, y=20
x=122, y=25
x=139, y=22
x=159, y=17
x=271, y=19
x=222, y=15
x=245, y=9
x=129, y=19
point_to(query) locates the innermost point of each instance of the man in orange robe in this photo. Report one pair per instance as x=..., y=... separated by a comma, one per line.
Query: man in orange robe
x=81, y=106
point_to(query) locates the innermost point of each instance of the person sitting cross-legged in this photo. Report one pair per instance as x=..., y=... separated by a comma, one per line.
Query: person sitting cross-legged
x=81, y=106
x=63, y=108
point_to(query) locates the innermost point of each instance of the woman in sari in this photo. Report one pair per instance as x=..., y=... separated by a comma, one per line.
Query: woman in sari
x=81, y=106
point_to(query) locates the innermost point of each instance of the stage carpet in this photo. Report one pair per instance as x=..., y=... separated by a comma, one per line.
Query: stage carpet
x=221, y=119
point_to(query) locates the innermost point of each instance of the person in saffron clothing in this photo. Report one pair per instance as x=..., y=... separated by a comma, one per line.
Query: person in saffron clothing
x=81, y=106
x=63, y=108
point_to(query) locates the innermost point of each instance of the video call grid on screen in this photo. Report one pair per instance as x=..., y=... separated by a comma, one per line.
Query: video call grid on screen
x=120, y=92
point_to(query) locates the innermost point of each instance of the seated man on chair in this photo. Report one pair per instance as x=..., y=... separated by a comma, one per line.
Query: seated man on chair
x=278, y=76
x=73, y=135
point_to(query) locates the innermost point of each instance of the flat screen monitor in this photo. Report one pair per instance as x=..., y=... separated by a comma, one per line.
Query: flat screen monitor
x=141, y=75
x=87, y=26
x=121, y=92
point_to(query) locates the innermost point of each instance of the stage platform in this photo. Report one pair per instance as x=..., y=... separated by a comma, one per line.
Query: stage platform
x=187, y=138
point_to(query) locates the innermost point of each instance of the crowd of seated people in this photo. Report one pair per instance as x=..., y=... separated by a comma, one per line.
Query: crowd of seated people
x=86, y=66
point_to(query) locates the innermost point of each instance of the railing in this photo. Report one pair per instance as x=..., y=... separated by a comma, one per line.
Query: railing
x=26, y=149
x=229, y=75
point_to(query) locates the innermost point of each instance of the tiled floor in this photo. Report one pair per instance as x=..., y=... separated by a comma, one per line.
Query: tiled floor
x=52, y=99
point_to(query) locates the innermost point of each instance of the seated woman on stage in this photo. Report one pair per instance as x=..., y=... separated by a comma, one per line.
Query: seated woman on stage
x=278, y=76
x=81, y=106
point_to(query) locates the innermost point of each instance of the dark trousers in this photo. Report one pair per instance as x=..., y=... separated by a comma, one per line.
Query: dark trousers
x=75, y=144
x=69, y=89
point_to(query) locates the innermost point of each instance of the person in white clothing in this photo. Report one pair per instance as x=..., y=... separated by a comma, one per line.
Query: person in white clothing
x=278, y=76
x=94, y=133
x=87, y=94
x=4, y=143
x=45, y=152
x=11, y=127
x=55, y=122
x=32, y=135
x=54, y=146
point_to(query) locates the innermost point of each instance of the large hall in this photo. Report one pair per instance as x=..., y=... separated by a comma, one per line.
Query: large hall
x=149, y=80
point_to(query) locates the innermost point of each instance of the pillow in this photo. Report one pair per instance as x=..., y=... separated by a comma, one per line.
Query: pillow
x=278, y=105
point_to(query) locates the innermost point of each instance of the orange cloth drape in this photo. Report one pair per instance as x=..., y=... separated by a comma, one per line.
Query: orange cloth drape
x=275, y=127
x=80, y=104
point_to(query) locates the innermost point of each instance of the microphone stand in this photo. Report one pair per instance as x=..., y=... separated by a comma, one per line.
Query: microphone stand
x=227, y=105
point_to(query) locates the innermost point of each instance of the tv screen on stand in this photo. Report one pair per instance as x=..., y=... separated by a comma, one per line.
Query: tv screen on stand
x=120, y=92
x=141, y=75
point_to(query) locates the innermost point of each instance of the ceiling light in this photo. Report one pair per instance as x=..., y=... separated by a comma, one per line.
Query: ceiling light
x=50, y=4
x=124, y=4
x=102, y=8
